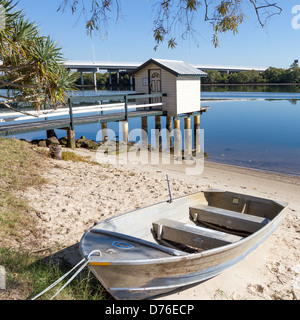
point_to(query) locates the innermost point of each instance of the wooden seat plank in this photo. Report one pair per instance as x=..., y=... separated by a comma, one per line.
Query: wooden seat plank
x=227, y=218
x=192, y=235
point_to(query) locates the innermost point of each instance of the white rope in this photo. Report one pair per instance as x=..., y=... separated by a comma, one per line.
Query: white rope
x=85, y=260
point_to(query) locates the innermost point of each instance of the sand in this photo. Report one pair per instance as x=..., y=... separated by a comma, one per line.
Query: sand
x=78, y=194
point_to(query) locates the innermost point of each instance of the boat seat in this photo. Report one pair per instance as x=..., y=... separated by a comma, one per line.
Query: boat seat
x=227, y=218
x=192, y=235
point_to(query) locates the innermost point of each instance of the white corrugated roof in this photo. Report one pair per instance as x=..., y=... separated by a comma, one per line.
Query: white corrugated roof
x=181, y=68
x=178, y=68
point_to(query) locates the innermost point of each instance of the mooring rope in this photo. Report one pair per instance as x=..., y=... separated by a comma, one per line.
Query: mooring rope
x=84, y=262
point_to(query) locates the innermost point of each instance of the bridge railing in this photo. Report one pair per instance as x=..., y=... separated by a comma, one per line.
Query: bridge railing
x=123, y=100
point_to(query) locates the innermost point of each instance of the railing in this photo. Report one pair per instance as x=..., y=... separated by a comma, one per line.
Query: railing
x=122, y=99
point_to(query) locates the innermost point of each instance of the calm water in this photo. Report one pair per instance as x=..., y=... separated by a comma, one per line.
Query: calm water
x=250, y=129
x=257, y=130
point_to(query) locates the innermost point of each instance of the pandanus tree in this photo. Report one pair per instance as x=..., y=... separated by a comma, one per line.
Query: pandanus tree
x=32, y=69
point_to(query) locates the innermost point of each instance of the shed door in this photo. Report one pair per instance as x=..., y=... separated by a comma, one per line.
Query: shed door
x=155, y=83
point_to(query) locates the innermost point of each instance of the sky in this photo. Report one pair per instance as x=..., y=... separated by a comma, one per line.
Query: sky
x=131, y=37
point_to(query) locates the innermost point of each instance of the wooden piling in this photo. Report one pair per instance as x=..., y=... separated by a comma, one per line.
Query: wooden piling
x=187, y=138
x=125, y=131
x=197, y=134
x=104, y=131
x=169, y=131
x=71, y=138
x=145, y=132
x=177, y=139
x=157, y=132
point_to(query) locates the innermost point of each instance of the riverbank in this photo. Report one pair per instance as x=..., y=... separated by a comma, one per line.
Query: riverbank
x=78, y=194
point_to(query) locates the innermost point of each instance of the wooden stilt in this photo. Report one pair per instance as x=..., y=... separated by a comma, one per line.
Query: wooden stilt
x=51, y=133
x=145, y=132
x=157, y=132
x=71, y=138
x=197, y=134
x=187, y=139
x=177, y=139
x=125, y=131
x=104, y=131
x=169, y=130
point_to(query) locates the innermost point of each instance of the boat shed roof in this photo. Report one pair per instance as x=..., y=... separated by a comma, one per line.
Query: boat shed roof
x=178, y=68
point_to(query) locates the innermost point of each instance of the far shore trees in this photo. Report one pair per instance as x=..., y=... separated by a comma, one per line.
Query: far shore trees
x=271, y=75
x=32, y=70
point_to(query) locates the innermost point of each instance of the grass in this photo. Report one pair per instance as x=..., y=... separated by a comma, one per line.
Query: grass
x=27, y=274
x=19, y=168
x=72, y=156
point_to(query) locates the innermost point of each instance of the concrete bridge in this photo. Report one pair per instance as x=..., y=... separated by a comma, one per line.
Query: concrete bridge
x=114, y=66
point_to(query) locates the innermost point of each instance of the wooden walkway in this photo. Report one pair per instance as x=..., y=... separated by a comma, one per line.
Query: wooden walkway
x=64, y=123
x=69, y=122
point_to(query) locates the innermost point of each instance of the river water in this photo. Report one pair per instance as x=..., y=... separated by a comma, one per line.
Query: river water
x=259, y=130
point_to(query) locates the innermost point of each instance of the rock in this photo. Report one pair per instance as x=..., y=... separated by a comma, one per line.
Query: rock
x=89, y=144
x=82, y=138
x=42, y=143
x=63, y=141
x=52, y=140
x=35, y=141
x=80, y=143
x=55, y=151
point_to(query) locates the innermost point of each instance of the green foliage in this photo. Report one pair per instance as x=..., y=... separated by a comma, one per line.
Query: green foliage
x=32, y=64
x=174, y=19
x=270, y=75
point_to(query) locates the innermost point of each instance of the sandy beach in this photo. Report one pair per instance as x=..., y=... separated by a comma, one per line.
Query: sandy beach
x=78, y=194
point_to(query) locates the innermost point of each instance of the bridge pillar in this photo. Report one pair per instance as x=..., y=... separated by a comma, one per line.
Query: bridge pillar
x=110, y=81
x=118, y=77
x=82, y=81
x=95, y=79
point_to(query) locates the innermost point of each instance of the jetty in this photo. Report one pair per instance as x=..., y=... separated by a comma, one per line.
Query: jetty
x=165, y=88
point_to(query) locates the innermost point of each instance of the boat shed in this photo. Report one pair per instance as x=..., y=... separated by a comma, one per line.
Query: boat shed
x=180, y=81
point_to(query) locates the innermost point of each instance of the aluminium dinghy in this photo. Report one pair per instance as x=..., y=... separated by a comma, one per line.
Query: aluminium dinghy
x=157, y=249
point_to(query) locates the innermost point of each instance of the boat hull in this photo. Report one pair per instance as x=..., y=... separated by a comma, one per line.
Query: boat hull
x=133, y=278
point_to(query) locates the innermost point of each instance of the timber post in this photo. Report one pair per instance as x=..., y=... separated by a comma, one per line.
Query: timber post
x=157, y=132
x=71, y=138
x=104, y=131
x=169, y=131
x=144, y=132
x=70, y=130
x=187, y=139
x=125, y=131
x=197, y=134
x=177, y=139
